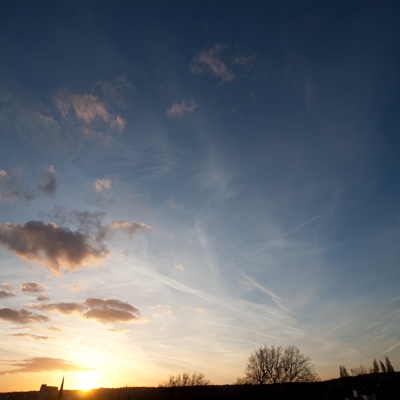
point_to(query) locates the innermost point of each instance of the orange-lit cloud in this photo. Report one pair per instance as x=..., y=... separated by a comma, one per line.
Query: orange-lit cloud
x=88, y=110
x=101, y=310
x=21, y=316
x=51, y=245
x=39, y=364
x=179, y=110
x=211, y=61
x=102, y=184
x=129, y=227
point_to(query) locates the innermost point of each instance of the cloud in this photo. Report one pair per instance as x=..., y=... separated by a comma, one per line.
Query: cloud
x=29, y=335
x=48, y=182
x=32, y=287
x=6, y=290
x=102, y=184
x=129, y=227
x=63, y=308
x=273, y=296
x=101, y=310
x=179, y=110
x=211, y=61
x=89, y=111
x=180, y=266
x=3, y=175
x=21, y=316
x=42, y=297
x=39, y=364
x=110, y=310
x=50, y=245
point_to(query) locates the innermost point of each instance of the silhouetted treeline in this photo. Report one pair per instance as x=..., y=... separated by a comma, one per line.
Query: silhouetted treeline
x=382, y=386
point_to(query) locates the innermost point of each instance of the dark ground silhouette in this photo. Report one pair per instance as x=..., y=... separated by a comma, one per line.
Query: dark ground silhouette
x=381, y=386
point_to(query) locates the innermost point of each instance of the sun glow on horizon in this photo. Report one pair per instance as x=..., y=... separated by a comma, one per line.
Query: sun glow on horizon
x=89, y=380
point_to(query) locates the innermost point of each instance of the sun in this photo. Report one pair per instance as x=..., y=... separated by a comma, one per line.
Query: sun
x=88, y=380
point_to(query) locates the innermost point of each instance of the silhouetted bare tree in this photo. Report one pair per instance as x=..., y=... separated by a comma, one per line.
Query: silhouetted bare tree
x=186, y=379
x=383, y=368
x=276, y=364
x=361, y=370
x=389, y=366
x=375, y=367
x=343, y=372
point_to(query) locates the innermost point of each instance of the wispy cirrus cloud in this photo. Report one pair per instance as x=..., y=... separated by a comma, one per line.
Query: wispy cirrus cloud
x=51, y=245
x=212, y=61
x=102, y=310
x=21, y=316
x=29, y=336
x=273, y=296
x=215, y=62
x=180, y=110
x=39, y=364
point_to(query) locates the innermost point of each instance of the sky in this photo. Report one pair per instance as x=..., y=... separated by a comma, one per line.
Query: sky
x=184, y=182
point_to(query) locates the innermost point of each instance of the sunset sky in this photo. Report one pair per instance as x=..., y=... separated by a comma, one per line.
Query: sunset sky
x=182, y=182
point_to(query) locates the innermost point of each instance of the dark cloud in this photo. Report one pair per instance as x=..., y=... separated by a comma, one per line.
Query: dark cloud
x=39, y=364
x=32, y=287
x=110, y=310
x=101, y=310
x=51, y=245
x=21, y=316
x=5, y=293
x=48, y=182
x=42, y=297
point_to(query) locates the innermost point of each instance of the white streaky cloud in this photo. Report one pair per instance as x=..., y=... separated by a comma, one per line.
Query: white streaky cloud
x=211, y=61
x=391, y=348
x=274, y=297
x=102, y=184
x=179, y=110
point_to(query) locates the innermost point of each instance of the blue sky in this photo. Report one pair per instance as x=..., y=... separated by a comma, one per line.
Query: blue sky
x=182, y=183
